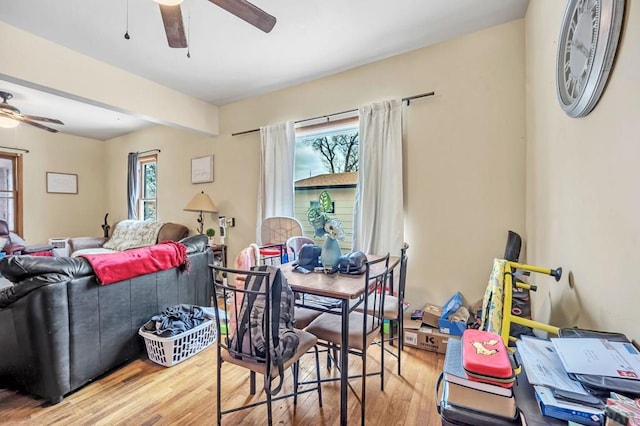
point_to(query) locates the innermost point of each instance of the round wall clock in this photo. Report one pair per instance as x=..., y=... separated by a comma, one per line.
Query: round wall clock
x=586, y=48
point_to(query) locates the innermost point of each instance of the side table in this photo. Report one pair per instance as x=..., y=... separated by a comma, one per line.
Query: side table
x=219, y=258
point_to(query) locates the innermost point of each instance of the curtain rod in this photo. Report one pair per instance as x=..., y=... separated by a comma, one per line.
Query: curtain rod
x=407, y=100
x=17, y=149
x=149, y=151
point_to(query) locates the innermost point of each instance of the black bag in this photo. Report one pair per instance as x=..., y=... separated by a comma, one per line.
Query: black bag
x=353, y=263
x=308, y=258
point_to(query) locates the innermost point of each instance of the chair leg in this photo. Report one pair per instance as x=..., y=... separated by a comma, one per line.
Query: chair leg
x=269, y=411
x=252, y=383
x=400, y=347
x=318, y=376
x=363, y=392
x=382, y=359
x=219, y=389
x=296, y=371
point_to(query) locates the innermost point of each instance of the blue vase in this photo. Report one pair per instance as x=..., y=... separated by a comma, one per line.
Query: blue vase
x=330, y=254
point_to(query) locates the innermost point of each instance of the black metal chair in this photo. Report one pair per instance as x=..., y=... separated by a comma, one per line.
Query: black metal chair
x=364, y=327
x=243, y=299
x=393, y=310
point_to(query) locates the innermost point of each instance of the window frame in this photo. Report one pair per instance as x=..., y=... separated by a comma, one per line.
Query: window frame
x=141, y=200
x=17, y=193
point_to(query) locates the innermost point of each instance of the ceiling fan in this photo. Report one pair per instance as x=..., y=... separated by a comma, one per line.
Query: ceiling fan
x=10, y=116
x=172, y=17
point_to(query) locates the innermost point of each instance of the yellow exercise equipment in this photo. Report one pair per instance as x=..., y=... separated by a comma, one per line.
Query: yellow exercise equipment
x=498, y=298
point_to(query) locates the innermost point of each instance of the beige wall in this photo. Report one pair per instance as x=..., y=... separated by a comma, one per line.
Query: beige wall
x=464, y=155
x=59, y=215
x=583, y=207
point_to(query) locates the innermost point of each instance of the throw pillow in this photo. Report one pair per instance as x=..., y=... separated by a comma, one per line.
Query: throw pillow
x=133, y=234
x=3, y=242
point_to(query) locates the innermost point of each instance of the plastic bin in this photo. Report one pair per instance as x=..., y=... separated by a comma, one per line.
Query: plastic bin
x=172, y=350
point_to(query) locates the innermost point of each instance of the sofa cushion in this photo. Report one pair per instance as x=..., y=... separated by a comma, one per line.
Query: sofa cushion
x=173, y=232
x=132, y=234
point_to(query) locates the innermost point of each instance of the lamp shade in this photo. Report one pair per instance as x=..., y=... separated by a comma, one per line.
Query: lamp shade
x=201, y=203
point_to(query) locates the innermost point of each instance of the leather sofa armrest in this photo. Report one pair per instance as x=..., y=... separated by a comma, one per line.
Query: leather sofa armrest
x=80, y=243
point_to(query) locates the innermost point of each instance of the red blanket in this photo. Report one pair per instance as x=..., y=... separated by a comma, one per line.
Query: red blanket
x=114, y=267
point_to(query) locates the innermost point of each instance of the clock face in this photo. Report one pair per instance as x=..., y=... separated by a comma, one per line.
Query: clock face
x=586, y=48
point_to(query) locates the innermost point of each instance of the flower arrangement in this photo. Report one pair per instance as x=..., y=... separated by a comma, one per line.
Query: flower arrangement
x=321, y=222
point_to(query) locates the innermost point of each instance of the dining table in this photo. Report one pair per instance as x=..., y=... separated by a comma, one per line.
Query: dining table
x=345, y=288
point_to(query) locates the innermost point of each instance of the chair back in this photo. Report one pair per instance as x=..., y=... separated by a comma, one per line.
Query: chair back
x=375, y=289
x=277, y=229
x=4, y=229
x=294, y=244
x=402, y=279
x=234, y=332
x=514, y=244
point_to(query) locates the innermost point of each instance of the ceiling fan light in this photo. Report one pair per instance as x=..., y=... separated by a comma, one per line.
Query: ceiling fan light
x=169, y=2
x=8, y=123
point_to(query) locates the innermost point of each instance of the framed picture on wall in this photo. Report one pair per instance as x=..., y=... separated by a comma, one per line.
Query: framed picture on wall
x=62, y=183
x=202, y=169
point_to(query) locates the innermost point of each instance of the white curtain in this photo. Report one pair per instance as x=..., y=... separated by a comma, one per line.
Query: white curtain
x=275, y=191
x=378, y=214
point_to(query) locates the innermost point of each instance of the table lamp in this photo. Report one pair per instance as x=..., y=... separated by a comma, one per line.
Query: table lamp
x=201, y=203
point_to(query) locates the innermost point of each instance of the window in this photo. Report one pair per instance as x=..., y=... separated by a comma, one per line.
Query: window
x=147, y=201
x=327, y=160
x=10, y=194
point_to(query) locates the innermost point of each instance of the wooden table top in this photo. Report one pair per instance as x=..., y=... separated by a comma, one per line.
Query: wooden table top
x=332, y=285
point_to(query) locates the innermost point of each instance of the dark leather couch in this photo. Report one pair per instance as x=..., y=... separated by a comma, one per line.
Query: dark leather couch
x=59, y=329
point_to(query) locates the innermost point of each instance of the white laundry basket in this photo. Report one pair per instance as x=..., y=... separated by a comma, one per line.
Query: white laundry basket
x=170, y=351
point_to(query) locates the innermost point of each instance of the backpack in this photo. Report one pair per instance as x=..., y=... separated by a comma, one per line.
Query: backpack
x=250, y=339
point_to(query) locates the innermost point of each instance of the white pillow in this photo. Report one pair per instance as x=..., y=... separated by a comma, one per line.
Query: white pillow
x=3, y=242
x=16, y=239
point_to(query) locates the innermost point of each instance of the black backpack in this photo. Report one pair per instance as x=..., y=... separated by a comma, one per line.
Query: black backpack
x=250, y=338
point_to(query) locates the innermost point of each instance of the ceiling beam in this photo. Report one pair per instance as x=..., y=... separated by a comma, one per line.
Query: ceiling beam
x=44, y=65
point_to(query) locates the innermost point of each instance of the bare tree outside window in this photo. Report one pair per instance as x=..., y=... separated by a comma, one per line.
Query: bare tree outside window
x=338, y=153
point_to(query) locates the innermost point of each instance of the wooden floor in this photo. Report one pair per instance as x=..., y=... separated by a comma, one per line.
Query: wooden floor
x=145, y=393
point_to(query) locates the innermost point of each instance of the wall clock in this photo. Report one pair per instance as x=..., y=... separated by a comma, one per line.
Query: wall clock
x=586, y=48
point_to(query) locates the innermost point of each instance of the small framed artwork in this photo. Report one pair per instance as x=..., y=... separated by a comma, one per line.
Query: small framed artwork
x=62, y=183
x=202, y=169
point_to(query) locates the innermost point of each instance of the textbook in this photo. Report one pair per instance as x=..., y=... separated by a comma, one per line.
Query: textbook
x=454, y=372
x=578, y=413
x=462, y=396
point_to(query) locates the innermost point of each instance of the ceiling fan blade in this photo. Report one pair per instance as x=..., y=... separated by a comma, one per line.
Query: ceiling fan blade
x=173, y=25
x=248, y=12
x=45, y=119
x=24, y=120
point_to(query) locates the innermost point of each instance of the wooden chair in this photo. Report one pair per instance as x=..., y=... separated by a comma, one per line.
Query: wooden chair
x=243, y=299
x=364, y=327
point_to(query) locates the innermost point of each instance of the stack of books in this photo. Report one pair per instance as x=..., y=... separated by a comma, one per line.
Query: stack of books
x=473, y=397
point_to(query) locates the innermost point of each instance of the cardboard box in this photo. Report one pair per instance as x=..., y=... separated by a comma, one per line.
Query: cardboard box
x=455, y=328
x=431, y=315
x=427, y=338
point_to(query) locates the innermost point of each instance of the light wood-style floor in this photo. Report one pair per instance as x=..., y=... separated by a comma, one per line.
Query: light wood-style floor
x=145, y=393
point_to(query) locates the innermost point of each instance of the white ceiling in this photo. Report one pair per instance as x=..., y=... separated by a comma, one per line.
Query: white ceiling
x=231, y=60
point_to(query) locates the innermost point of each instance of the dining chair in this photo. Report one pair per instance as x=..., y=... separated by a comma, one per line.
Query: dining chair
x=393, y=310
x=256, y=290
x=294, y=244
x=364, y=327
x=274, y=232
x=303, y=315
